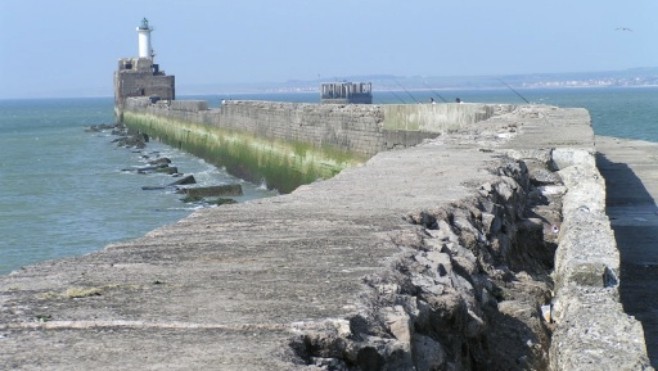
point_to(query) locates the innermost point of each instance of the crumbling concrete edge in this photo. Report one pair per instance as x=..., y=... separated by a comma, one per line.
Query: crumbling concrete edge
x=592, y=330
x=438, y=305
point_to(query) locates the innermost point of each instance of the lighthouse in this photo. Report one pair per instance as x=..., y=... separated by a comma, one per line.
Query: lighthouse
x=141, y=78
x=144, y=32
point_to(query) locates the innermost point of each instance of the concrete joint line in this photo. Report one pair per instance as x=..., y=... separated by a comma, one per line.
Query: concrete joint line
x=173, y=325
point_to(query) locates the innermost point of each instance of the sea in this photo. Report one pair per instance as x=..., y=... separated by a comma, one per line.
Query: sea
x=67, y=191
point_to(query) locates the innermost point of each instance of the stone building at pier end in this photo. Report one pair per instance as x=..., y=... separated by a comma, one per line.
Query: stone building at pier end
x=140, y=76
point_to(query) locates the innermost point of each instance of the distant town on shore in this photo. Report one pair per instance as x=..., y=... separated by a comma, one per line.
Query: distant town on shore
x=636, y=77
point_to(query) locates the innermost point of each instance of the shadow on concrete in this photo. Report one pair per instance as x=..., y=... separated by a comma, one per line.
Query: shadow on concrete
x=631, y=209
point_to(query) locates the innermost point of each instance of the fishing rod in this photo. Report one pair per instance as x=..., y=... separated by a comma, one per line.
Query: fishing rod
x=377, y=100
x=435, y=93
x=397, y=97
x=405, y=90
x=515, y=92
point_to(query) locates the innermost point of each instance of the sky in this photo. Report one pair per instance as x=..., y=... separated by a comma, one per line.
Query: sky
x=71, y=47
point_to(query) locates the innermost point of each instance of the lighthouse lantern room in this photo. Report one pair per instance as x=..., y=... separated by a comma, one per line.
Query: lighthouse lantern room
x=144, y=32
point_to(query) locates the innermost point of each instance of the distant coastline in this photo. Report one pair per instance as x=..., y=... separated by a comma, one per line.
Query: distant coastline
x=314, y=90
x=630, y=78
x=496, y=88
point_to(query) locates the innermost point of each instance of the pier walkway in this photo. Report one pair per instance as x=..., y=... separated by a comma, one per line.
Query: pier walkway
x=631, y=173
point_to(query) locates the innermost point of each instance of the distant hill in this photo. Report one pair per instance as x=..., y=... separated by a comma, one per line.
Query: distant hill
x=647, y=76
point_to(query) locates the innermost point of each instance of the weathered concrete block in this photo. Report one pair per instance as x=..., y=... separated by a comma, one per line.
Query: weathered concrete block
x=593, y=332
x=212, y=191
x=565, y=157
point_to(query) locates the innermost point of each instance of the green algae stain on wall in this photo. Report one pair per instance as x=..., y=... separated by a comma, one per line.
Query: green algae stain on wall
x=438, y=118
x=281, y=164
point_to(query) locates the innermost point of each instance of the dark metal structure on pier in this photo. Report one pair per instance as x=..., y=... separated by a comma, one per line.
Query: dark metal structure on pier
x=347, y=92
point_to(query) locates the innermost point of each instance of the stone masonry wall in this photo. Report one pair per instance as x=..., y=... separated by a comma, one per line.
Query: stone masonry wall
x=142, y=84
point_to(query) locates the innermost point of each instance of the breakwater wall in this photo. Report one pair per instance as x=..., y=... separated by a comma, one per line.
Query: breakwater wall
x=583, y=316
x=288, y=144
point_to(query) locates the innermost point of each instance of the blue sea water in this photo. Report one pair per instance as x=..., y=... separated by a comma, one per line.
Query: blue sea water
x=63, y=191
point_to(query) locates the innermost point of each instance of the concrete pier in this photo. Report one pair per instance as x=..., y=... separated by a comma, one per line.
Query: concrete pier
x=630, y=168
x=437, y=256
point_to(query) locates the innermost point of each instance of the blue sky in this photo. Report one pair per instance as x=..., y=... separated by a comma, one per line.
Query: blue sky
x=71, y=47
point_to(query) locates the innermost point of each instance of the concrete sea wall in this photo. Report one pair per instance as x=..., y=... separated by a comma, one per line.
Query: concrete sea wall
x=288, y=144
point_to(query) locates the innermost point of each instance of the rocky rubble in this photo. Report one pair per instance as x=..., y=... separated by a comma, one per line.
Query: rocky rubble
x=209, y=195
x=466, y=291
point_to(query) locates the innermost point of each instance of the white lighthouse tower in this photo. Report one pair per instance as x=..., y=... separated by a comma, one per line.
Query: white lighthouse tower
x=144, y=32
x=140, y=77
